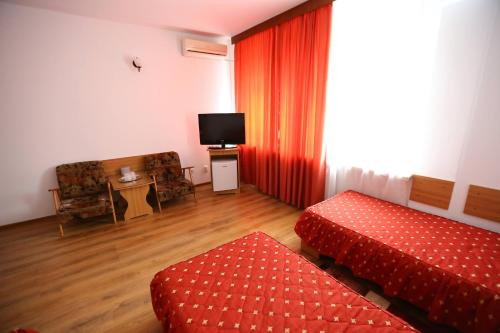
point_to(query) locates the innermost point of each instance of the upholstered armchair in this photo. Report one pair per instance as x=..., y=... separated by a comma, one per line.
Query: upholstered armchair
x=169, y=177
x=83, y=192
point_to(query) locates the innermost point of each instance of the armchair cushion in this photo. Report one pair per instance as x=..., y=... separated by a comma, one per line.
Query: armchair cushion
x=170, y=179
x=175, y=170
x=81, y=179
x=174, y=188
x=86, y=206
x=165, y=166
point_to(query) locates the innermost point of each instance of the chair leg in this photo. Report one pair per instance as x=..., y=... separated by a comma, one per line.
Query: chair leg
x=55, y=196
x=191, y=179
x=159, y=203
x=112, y=203
x=62, y=220
x=156, y=193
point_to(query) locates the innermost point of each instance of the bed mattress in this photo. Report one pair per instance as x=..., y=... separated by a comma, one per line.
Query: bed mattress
x=255, y=284
x=448, y=268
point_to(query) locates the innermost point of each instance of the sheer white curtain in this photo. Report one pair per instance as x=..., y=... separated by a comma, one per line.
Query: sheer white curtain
x=382, y=55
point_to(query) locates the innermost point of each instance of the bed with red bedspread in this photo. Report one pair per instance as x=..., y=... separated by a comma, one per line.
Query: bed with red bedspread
x=448, y=268
x=255, y=284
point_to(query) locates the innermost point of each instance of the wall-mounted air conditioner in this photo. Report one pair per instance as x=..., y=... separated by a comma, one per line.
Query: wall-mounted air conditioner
x=198, y=48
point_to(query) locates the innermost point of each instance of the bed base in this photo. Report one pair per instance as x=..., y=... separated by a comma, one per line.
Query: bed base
x=308, y=250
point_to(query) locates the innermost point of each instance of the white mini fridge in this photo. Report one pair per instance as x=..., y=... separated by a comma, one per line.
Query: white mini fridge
x=224, y=174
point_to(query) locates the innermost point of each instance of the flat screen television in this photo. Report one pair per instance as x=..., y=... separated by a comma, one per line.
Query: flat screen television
x=221, y=128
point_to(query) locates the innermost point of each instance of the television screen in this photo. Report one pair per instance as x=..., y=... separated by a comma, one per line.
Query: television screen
x=221, y=128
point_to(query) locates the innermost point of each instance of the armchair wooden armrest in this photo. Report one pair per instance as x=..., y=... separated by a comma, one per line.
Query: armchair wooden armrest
x=188, y=168
x=152, y=173
x=153, y=177
x=56, y=198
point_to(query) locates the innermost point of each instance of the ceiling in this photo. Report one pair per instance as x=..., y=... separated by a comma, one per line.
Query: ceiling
x=219, y=17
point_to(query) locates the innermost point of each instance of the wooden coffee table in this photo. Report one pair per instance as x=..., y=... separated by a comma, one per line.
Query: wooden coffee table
x=135, y=193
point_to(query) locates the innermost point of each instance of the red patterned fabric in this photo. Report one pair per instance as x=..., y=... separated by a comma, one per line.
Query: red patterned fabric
x=255, y=284
x=448, y=268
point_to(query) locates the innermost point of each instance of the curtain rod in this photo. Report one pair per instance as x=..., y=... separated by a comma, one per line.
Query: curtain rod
x=301, y=9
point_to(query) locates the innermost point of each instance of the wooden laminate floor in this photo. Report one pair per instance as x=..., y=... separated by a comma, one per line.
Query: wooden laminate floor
x=96, y=279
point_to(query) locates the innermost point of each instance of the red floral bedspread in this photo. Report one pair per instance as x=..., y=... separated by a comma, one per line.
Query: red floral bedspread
x=448, y=268
x=255, y=284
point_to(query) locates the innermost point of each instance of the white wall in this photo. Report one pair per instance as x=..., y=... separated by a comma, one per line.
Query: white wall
x=68, y=92
x=470, y=73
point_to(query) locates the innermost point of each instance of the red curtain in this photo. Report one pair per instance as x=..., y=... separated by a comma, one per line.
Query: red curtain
x=280, y=85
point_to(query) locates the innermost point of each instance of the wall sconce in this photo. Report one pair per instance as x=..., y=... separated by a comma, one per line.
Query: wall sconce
x=137, y=63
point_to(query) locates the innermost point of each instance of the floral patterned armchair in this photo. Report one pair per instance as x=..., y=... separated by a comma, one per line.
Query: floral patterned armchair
x=169, y=176
x=83, y=192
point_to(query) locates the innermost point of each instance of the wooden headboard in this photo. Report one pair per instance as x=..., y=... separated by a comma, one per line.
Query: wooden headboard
x=431, y=191
x=483, y=202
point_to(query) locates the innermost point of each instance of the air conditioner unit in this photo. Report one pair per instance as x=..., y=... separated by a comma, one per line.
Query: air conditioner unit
x=198, y=48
